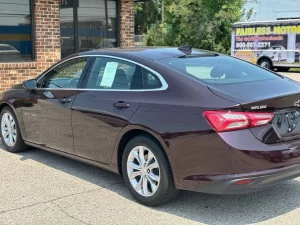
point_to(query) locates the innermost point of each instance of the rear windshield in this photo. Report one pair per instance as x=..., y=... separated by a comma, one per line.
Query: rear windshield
x=220, y=69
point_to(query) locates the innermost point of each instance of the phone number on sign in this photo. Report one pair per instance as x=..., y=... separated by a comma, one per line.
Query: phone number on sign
x=251, y=45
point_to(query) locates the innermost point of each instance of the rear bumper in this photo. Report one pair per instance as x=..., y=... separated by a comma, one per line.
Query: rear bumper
x=259, y=182
x=213, y=162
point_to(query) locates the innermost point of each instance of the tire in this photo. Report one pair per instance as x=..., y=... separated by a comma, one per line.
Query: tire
x=165, y=190
x=17, y=145
x=283, y=69
x=265, y=63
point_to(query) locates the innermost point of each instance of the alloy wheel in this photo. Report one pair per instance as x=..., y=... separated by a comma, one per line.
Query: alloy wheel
x=265, y=65
x=143, y=171
x=8, y=129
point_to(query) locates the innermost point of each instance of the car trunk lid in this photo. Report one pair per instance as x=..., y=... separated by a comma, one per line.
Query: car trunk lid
x=281, y=97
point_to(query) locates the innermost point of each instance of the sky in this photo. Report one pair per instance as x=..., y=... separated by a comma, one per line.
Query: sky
x=273, y=9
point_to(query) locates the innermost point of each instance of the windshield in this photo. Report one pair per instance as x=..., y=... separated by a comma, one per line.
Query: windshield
x=220, y=70
x=6, y=48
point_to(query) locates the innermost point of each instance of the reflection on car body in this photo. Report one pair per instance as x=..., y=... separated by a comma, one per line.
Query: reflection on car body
x=9, y=53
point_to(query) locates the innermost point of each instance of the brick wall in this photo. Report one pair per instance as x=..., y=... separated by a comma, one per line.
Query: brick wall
x=47, y=44
x=47, y=41
x=127, y=23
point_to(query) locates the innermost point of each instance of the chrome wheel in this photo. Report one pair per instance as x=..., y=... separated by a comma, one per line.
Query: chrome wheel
x=8, y=129
x=143, y=171
x=265, y=65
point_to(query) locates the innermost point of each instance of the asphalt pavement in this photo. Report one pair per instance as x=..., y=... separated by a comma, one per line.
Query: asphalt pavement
x=41, y=188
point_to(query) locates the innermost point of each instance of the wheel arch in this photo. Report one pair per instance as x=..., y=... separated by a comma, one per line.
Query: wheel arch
x=130, y=133
x=19, y=119
x=3, y=104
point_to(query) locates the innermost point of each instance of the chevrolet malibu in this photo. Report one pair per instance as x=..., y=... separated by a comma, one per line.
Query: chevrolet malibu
x=166, y=119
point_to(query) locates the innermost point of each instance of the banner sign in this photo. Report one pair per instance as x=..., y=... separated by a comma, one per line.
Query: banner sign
x=279, y=43
x=276, y=30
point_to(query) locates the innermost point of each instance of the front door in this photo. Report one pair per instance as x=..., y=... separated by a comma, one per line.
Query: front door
x=47, y=112
x=114, y=93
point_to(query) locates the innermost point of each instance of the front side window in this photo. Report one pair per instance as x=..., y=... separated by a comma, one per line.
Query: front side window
x=15, y=31
x=109, y=73
x=65, y=75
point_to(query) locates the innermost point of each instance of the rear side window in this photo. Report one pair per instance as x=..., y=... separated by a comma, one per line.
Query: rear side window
x=117, y=74
x=220, y=70
x=151, y=81
x=110, y=73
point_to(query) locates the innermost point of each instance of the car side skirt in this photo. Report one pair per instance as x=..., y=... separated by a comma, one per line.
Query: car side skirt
x=108, y=167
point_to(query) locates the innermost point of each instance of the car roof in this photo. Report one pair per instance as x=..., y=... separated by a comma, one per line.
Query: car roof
x=153, y=53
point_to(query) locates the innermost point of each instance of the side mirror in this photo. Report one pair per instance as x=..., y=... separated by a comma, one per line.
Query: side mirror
x=30, y=84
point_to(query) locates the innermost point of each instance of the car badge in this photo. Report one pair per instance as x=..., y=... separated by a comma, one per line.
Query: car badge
x=261, y=106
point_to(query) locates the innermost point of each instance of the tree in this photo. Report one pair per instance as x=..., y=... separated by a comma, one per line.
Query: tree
x=204, y=24
x=146, y=13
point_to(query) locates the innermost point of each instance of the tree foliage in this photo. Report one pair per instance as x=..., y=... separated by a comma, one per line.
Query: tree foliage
x=205, y=24
x=146, y=13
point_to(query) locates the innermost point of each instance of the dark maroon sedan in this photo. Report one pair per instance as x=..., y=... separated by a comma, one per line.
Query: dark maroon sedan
x=167, y=119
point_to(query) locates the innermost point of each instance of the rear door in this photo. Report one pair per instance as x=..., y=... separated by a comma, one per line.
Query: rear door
x=114, y=91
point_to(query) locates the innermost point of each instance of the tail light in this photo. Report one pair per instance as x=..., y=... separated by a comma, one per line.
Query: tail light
x=223, y=121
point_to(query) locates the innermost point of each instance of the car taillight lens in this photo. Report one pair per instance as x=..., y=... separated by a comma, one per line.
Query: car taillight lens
x=223, y=121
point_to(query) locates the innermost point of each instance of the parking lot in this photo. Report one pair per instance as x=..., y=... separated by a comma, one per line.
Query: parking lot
x=293, y=75
x=37, y=187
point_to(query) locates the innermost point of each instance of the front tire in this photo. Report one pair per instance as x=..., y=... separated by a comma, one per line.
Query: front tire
x=147, y=173
x=10, y=131
x=265, y=63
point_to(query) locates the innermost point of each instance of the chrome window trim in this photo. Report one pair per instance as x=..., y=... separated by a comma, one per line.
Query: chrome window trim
x=162, y=80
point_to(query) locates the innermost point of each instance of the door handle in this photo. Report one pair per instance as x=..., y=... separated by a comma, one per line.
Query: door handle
x=65, y=100
x=121, y=105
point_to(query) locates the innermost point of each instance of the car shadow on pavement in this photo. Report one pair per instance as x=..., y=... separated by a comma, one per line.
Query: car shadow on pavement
x=199, y=207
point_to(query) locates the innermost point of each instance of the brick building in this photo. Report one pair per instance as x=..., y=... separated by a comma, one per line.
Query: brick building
x=34, y=34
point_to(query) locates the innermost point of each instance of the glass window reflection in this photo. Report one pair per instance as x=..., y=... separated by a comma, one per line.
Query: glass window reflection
x=15, y=31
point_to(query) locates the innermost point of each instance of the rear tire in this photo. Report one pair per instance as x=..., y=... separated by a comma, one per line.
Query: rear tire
x=153, y=186
x=265, y=63
x=10, y=131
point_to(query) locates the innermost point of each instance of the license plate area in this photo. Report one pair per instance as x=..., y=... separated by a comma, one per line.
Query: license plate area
x=287, y=124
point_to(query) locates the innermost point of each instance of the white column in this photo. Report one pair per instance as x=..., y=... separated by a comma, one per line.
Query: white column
x=232, y=42
x=291, y=46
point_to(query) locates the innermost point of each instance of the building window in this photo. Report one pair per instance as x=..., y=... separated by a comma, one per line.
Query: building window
x=87, y=24
x=67, y=30
x=15, y=31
